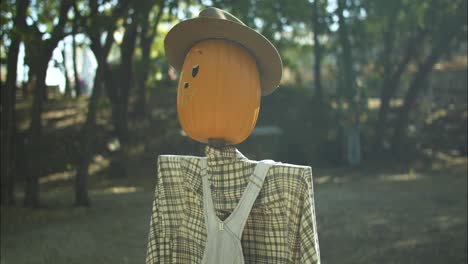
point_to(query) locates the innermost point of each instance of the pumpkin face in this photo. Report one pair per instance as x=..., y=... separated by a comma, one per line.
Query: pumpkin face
x=219, y=92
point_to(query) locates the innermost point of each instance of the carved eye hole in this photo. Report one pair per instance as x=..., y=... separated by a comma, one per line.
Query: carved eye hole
x=186, y=85
x=195, y=70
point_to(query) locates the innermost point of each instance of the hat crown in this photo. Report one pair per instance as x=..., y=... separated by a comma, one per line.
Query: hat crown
x=214, y=23
x=213, y=12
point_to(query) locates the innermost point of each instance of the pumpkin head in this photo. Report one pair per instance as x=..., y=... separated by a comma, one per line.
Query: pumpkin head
x=219, y=92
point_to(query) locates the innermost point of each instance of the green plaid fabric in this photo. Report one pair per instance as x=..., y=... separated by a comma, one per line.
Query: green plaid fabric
x=281, y=227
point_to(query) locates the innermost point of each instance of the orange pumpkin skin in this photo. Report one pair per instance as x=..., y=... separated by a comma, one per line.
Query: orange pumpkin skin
x=219, y=92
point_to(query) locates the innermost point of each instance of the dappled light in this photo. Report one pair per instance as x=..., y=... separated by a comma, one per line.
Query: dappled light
x=118, y=190
x=60, y=114
x=100, y=163
x=377, y=220
x=73, y=121
x=330, y=179
x=445, y=222
x=411, y=176
x=137, y=149
x=410, y=243
x=322, y=179
x=59, y=176
x=374, y=103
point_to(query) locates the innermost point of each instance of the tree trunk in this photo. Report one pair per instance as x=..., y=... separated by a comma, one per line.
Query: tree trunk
x=390, y=87
x=126, y=77
x=317, y=52
x=350, y=117
x=140, y=107
x=78, y=87
x=418, y=83
x=86, y=147
x=120, y=117
x=81, y=177
x=8, y=123
x=65, y=72
x=101, y=52
x=121, y=96
x=42, y=50
x=348, y=73
x=30, y=83
x=146, y=41
x=31, y=198
x=8, y=101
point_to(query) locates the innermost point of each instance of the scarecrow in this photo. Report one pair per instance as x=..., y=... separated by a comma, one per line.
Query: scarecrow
x=225, y=208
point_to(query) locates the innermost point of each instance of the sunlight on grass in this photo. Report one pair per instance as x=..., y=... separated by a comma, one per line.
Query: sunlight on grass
x=411, y=176
x=59, y=176
x=450, y=159
x=409, y=243
x=118, y=190
x=445, y=222
x=136, y=149
x=438, y=114
x=61, y=113
x=69, y=122
x=377, y=220
x=100, y=163
x=330, y=179
x=23, y=124
x=374, y=103
x=322, y=180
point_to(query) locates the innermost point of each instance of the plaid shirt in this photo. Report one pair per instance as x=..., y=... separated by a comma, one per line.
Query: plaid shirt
x=281, y=227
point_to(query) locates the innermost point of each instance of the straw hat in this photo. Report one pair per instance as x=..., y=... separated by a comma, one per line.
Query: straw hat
x=214, y=23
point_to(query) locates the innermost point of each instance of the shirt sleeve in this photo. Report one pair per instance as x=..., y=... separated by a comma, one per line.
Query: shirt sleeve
x=152, y=253
x=309, y=246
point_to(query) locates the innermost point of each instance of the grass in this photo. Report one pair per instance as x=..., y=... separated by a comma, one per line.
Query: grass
x=112, y=231
x=394, y=218
x=377, y=217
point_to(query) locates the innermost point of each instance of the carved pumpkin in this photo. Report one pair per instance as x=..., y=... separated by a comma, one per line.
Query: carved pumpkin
x=219, y=92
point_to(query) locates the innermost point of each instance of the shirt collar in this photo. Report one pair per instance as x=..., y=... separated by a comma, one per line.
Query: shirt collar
x=222, y=155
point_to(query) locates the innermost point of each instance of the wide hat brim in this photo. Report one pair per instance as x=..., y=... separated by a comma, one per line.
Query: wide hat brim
x=184, y=35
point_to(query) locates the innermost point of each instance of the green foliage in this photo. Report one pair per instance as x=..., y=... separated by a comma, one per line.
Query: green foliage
x=379, y=32
x=446, y=130
x=307, y=126
x=7, y=13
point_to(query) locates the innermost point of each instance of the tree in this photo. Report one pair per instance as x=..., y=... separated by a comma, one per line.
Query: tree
x=65, y=73
x=118, y=86
x=348, y=89
x=390, y=85
x=8, y=129
x=147, y=34
x=398, y=22
x=317, y=30
x=350, y=135
x=77, y=82
x=96, y=24
x=449, y=26
x=40, y=51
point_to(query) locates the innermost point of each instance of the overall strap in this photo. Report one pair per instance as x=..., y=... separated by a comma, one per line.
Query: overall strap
x=208, y=207
x=239, y=217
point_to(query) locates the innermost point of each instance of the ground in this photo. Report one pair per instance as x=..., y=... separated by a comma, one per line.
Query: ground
x=364, y=216
x=378, y=213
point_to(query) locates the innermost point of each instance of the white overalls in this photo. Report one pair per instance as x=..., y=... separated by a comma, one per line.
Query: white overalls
x=223, y=243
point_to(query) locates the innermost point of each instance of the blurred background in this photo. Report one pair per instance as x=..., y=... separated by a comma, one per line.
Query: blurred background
x=373, y=97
